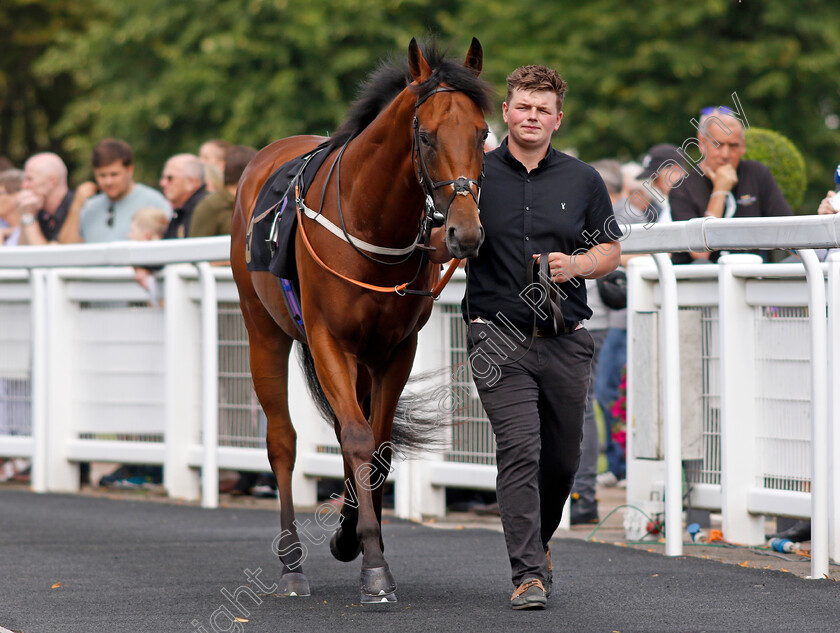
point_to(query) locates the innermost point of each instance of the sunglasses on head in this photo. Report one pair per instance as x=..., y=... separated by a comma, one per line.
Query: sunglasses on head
x=110, y=220
x=721, y=109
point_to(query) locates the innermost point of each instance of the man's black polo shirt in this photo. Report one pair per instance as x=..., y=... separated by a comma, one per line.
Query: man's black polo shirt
x=182, y=216
x=51, y=223
x=756, y=195
x=561, y=206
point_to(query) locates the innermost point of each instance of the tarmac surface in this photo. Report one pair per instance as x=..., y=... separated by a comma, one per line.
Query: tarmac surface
x=92, y=563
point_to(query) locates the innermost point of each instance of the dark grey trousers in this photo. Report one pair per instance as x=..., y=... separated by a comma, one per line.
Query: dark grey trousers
x=536, y=407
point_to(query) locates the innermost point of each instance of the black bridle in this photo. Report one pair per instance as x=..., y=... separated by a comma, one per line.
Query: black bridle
x=460, y=186
x=432, y=218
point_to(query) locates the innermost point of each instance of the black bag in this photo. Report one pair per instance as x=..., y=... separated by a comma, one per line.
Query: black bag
x=612, y=289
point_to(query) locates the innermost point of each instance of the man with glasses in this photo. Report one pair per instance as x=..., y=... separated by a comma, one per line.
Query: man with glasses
x=730, y=187
x=106, y=217
x=183, y=185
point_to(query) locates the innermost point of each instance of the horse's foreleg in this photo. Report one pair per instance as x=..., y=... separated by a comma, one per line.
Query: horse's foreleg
x=270, y=348
x=345, y=545
x=337, y=372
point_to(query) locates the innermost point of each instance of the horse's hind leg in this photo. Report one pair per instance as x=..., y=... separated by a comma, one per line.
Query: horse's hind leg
x=270, y=348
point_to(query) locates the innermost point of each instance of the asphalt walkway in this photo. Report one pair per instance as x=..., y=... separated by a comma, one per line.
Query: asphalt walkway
x=76, y=563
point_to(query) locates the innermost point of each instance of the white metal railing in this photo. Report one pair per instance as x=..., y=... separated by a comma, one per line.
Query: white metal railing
x=73, y=420
x=742, y=503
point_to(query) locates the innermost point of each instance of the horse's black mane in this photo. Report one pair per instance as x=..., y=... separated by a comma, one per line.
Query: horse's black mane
x=391, y=78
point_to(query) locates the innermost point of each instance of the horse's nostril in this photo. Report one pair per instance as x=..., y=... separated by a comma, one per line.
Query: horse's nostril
x=450, y=233
x=481, y=235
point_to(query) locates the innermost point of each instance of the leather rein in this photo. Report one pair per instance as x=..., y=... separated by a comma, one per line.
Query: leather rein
x=432, y=218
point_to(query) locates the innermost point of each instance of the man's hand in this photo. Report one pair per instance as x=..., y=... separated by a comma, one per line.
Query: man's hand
x=560, y=267
x=592, y=264
x=86, y=190
x=724, y=179
x=28, y=202
x=826, y=206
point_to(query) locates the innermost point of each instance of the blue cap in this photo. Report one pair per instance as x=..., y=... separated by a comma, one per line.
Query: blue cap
x=837, y=178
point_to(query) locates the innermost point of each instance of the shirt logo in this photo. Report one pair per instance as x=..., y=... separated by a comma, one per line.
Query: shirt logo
x=746, y=200
x=563, y=206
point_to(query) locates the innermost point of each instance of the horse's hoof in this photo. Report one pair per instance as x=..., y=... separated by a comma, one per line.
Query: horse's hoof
x=378, y=586
x=343, y=555
x=294, y=585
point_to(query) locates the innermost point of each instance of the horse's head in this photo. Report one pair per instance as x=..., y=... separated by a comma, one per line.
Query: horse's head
x=449, y=133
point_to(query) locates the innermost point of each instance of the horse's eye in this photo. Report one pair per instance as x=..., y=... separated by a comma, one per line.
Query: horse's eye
x=485, y=135
x=424, y=138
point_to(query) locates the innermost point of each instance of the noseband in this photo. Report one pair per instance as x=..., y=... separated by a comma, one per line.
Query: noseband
x=461, y=186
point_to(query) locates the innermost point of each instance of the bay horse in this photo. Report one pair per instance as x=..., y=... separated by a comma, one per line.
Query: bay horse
x=412, y=141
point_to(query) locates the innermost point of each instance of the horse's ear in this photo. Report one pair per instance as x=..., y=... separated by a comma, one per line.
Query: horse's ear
x=417, y=64
x=475, y=57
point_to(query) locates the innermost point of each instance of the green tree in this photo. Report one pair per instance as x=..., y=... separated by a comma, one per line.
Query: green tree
x=31, y=105
x=166, y=76
x=638, y=72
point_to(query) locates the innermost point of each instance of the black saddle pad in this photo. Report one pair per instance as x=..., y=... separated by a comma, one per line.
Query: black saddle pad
x=274, y=251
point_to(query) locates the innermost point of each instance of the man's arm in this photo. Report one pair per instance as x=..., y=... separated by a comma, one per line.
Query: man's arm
x=27, y=209
x=70, y=230
x=594, y=263
x=723, y=181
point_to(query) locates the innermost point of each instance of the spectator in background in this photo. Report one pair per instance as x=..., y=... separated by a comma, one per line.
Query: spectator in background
x=730, y=187
x=107, y=216
x=11, y=181
x=212, y=155
x=149, y=223
x=5, y=164
x=183, y=185
x=212, y=216
x=662, y=170
x=45, y=199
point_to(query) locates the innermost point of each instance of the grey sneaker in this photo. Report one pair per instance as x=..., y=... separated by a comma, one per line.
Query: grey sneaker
x=529, y=595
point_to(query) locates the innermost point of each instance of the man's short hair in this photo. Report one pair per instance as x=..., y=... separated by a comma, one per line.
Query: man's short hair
x=109, y=151
x=610, y=171
x=236, y=160
x=11, y=180
x=532, y=78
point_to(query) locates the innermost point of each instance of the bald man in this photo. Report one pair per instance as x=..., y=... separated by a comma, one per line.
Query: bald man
x=729, y=186
x=183, y=185
x=44, y=200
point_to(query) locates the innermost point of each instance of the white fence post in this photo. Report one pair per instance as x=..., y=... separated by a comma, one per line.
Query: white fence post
x=62, y=475
x=737, y=403
x=643, y=475
x=39, y=388
x=819, y=415
x=183, y=364
x=834, y=404
x=209, y=386
x=670, y=364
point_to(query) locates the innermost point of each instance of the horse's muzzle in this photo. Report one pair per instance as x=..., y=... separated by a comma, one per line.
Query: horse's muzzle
x=464, y=242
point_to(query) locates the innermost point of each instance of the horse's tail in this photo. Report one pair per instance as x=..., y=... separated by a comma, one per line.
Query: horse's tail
x=421, y=418
x=307, y=365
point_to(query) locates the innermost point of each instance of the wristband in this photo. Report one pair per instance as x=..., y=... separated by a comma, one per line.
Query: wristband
x=719, y=193
x=26, y=219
